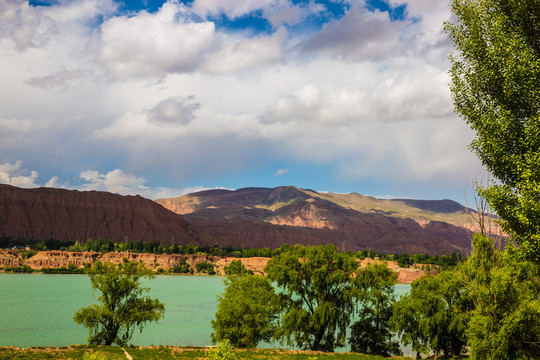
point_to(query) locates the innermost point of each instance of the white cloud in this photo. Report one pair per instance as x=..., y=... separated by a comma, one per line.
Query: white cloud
x=119, y=182
x=23, y=24
x=360, y=35
x=14, y=174
x=80, y=10
x=281, y=172
x=115, y=181
x=277, y=12
x=53, y=182
x=155, y=44
x=231, y=8
x=303, y=105
x=242, y=54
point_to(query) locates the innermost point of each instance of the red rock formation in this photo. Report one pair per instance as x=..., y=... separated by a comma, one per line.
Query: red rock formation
x=69, y=215
x=57, y=259
x=9, y=258
x=258, y=218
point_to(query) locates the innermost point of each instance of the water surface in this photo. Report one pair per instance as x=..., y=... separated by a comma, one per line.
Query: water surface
x=37, y=310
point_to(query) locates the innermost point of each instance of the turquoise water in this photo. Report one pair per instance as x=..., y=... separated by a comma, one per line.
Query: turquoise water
x=37, y=310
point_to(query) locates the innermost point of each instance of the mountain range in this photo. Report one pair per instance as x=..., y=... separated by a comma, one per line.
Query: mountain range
x=258, y=217
x=249, y=217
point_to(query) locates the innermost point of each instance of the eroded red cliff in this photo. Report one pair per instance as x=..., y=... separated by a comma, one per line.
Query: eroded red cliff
x=69, y=215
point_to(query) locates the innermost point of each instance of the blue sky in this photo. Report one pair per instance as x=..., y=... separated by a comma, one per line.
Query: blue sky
x=160, y=98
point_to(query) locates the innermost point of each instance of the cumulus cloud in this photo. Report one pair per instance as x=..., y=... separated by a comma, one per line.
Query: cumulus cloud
x=277, y=12
x=304, y=104
x=119, y=182
x=23, y=24
x=115, y=181
x=14, y=174
x=80, y=10
x=155, y=44
x=281, y=172
x=359, y=35
x=236, y=55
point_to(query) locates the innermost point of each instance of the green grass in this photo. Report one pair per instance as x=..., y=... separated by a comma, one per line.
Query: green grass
x=77, y=352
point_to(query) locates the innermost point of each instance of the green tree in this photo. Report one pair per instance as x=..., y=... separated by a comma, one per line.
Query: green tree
x=317, y=289
x=205, y=267
x=406, y=316
x=496, y=90
x=434, y=315
x=372, y=333
x=123, y=306
x=236, y=268
x=247, y=312
x=505, y=323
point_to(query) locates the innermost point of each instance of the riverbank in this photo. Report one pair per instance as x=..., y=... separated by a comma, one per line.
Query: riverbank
x=76, y=352
x=161, y=263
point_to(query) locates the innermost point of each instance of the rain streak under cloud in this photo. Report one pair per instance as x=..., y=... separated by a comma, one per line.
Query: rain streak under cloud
x=162, y=98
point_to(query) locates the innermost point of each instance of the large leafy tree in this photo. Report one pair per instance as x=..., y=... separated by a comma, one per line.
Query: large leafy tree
x=496, y=89
x=372, y=333
x=247, y=312
x=123, y=306
x=315, y=284
x=505, y=322
x=434, y=315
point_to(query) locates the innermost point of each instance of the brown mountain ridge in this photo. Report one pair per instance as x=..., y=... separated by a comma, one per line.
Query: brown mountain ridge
x=259, y=217
x=249, y=217
x=69, y=215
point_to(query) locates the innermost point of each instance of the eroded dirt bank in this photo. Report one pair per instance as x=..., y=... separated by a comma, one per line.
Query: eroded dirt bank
x=58, y=259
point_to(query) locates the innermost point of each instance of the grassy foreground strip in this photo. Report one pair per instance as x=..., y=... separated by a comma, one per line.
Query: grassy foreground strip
x=76, y=352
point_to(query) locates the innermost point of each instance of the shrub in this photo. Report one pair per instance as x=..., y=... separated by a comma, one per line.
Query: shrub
x=222, y=352
x=205, y=267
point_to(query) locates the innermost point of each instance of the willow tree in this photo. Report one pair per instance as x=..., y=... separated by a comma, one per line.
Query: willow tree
x=123, y=305
x=496, y=90
x=372, y=333
x=317, y=290
x=247, y=312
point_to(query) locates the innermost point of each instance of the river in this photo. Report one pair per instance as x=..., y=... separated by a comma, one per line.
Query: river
x=38, y=309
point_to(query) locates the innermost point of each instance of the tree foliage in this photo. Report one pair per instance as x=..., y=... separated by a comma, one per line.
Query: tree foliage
x=317, y=289
x=434, y=315
x=123, y=306
x=372, y=333
x=505, y=322
x=236, y=268
x=247, y=312
x=496, y=89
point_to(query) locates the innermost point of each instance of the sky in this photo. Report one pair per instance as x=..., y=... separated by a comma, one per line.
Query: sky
x=162, y=98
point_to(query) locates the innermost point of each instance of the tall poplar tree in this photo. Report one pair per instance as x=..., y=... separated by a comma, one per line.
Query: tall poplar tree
x=496, y=90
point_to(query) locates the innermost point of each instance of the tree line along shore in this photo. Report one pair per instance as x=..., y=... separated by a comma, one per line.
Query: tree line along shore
x=75, y=262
